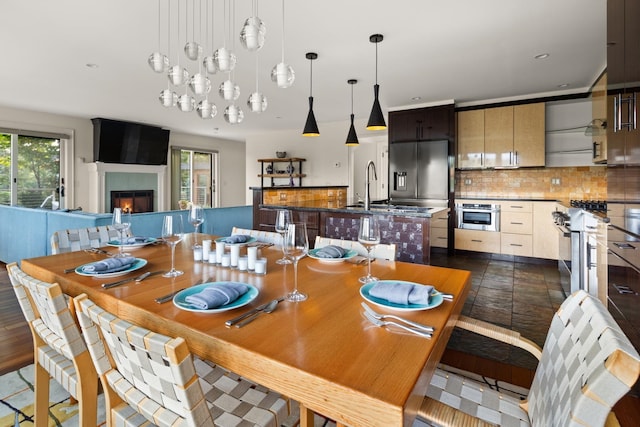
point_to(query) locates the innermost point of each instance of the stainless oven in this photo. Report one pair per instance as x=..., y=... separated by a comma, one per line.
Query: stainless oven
x=478, y=216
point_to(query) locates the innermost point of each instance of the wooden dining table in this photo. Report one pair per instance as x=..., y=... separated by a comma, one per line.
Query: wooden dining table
x=322, y=352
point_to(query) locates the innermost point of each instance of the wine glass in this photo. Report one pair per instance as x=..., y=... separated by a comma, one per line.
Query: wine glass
x=297, y=246
x=121, y=221
x=283, y=218
x=172, y=234
x=369, y=236
x=196, y=217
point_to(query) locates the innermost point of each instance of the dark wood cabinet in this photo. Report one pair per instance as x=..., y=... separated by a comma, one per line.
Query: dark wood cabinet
x=421, y=124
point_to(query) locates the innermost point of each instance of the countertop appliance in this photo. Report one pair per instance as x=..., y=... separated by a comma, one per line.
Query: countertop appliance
x=478, y=216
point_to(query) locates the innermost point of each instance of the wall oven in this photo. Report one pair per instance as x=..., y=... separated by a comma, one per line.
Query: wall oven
x=478, y=216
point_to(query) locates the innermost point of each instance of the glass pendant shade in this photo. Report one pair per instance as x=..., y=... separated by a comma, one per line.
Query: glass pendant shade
x=193, y=50
x=224, y=59
x=229, y=91
x=283, y=75
x=178, y=76
x=352, y=137
x=168, y=98
x=311, y=126
x=376, y=118
x=186, y=103
x=209, y=65
x=257, y=102
x=206, y=109
x=233, y=114
x=158, y=62
x=253, y=33
x=200, y=84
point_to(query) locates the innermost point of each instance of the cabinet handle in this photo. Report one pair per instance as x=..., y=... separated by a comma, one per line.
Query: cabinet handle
x=515, y=244
x=631, y=122
x=617, y=117
x=516, y=207
x=476, y=240
x=515, y=157
x=516, y=223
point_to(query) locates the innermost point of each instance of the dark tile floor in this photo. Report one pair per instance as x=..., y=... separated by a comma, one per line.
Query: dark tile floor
x=519, y=293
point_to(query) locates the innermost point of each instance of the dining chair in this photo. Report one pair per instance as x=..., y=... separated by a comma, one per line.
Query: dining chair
x=59, y=351
x=152, y=378
x=585, y=366
x=381, y=251
x=83, y=238
x=261, y=236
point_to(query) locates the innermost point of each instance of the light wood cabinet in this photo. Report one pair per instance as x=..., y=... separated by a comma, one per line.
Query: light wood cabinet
x=516, y=244
x=500, y=137
x=516, y=226
x=546, y=239
x=439, y=229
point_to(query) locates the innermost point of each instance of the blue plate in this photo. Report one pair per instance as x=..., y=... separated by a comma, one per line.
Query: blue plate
x=249, y=240
x=147, y=241
x=246, y=298
x=137, y=265
x=349, y=254
x=434, y=300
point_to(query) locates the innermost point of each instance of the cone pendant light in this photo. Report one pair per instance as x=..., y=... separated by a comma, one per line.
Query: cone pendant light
x=311, y=127
x=352, y=137
x=376, y=118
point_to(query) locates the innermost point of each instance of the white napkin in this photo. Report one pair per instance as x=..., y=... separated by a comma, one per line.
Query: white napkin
x=217, y=295
x=404, y=293
x=109, y=265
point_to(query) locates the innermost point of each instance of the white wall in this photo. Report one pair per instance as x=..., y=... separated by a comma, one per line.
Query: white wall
x=328, y=161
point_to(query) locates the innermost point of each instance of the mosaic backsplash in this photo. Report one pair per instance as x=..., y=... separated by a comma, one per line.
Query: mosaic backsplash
x=580, y=183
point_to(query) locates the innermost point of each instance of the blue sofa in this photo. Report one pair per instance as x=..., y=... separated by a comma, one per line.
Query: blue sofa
x=26, y=232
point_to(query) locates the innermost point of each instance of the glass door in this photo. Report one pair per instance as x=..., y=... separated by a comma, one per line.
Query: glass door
x=198, y=177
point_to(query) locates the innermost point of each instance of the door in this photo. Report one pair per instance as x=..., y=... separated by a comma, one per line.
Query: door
x=433, y=170
x=470, y=139
x=498, y=137
x=403, y=170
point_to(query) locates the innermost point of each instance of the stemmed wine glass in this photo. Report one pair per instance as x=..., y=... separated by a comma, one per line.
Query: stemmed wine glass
x=283, y=218
x=172, y=234
x=369, y=236
x=121, y=221
x=196, y=217
x=297, y=246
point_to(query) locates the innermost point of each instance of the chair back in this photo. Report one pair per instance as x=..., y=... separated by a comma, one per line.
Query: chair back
x=381, y=251
x=83, y=238
x=261, y=236
x=587, y=365
x=141, y=371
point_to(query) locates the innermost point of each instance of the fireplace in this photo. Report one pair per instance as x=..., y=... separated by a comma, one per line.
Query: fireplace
x=134, y=201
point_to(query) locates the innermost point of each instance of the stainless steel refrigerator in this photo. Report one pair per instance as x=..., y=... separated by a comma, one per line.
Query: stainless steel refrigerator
x=419, y=172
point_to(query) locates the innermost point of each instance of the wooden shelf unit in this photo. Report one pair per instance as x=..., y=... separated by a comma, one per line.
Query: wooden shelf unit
x=297, y=174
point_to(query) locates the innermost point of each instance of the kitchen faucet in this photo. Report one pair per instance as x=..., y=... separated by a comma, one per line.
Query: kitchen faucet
x=367, y=195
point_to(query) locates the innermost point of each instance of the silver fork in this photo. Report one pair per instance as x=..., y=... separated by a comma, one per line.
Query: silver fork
x=382, y=323
x=391, y=316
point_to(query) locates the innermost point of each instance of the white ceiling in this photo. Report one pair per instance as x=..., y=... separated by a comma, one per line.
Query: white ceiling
x=463, y=50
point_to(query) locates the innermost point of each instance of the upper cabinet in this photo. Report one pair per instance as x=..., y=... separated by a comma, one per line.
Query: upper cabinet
x=599, y=120
x=421, y=124
x=502, y=137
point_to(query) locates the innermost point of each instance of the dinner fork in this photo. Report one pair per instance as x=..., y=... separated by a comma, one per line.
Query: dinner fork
x=391, y=316
x=382, y=323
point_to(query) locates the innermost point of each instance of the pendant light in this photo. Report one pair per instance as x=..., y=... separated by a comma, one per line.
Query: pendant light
x=352, y=137
x=311, y=127
x=376, y=118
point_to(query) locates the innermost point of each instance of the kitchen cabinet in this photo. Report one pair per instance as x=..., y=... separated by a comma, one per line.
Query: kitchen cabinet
x=292, y=171
x=599, y=119
x=546, y=241
x=477, y=240
x=516, y=227
x=439, y=231
x=421, y=124
x=502, y=137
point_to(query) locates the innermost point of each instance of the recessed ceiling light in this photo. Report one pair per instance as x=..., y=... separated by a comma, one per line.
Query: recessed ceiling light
x=91, y=65
x=542, y=56
x=563, y=85
x=416, y=98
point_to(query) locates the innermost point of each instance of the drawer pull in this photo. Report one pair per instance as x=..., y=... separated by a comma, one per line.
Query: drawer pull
x=476, y=240
x=624, y=245
x=517, y=207
x=515, y=244
x=516, y=223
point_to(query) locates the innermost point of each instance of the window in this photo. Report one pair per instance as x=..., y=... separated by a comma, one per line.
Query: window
x=197, y=177
x=30, y=170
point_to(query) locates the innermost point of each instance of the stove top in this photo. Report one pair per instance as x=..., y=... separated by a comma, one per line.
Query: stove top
x=590, y=205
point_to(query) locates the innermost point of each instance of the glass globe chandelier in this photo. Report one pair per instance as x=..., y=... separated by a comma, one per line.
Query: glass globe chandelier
x=282, y=74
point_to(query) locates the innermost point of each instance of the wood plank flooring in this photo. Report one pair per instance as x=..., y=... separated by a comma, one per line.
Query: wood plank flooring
x=17, y=346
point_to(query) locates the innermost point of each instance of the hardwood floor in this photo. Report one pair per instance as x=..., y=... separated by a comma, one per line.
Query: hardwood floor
x=17, y=351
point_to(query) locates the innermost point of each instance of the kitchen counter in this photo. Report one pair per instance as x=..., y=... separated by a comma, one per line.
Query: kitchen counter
x=358, y=208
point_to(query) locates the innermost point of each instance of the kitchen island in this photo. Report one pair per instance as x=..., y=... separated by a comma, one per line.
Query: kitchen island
x=408, y=227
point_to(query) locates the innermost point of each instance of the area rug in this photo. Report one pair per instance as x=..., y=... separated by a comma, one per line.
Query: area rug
x=17, y=397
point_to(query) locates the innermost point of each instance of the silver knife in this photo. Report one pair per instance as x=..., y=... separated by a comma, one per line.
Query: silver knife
x=131, y=279
x=235, y=320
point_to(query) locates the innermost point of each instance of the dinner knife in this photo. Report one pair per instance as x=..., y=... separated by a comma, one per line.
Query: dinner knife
x=259, y=308
x=139, y=278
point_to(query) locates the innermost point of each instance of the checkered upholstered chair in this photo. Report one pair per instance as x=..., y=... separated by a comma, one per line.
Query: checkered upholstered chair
x=261, y=236
x=59, y=349
x=381, y=251
x=151, y=379
x=83, y=238
x=587, y=364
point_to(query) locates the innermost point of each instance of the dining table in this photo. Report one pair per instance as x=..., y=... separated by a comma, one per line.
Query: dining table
x=322, y=352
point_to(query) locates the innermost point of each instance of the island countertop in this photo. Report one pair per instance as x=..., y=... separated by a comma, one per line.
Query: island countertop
x=354, y=207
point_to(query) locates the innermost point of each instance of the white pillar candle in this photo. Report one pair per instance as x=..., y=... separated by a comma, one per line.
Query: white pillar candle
x=242, y=263
x=252, y=255
x=219, y=252
x=225, y=260
x=206, y=247
x=261, y=266
x=235, y=254
x=197, y=253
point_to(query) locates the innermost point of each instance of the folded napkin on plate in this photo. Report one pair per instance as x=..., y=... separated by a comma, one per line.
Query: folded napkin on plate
x=217, y=295
x=402, y=292
x=331, y=251
x=132, y=240
x=236, y=238
x=109, y=265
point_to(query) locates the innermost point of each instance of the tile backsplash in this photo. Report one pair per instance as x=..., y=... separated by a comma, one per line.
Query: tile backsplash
x=581, y=183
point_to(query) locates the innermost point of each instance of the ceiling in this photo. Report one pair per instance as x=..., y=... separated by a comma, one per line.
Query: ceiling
x=469, y=51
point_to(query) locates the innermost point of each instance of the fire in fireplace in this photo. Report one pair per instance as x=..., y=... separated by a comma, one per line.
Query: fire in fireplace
x=134, y=201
